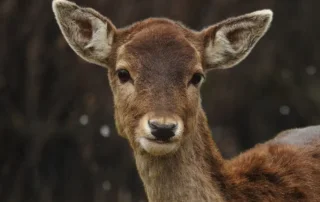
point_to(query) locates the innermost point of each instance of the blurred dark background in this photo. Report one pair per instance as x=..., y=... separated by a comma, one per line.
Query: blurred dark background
x=57, y=136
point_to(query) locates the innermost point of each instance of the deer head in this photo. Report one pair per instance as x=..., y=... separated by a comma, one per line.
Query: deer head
x=156, y=68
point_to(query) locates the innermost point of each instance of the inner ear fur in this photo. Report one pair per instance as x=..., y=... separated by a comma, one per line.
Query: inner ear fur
x=230, y=41
x=88, y=33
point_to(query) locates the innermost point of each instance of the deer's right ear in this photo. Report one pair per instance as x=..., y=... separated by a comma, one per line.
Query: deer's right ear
x=88, y=33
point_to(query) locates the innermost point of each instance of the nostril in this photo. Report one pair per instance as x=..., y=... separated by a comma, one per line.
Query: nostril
x=153, y=125
x=171, y=126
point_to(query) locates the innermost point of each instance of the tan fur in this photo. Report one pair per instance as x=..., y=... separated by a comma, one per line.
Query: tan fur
x=162, y=56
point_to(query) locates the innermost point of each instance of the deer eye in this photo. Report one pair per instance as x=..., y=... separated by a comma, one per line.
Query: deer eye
x=196, y=78
x=123, y=75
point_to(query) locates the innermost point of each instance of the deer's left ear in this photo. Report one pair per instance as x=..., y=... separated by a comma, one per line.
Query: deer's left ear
x=229, y=42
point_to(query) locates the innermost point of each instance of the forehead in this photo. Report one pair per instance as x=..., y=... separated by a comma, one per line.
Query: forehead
x=160, y=47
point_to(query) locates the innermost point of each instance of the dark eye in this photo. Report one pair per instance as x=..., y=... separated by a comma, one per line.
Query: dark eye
x=123, y=75
x=196, y=78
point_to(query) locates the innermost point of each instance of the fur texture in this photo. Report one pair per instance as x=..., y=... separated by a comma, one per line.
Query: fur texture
x=162, y=57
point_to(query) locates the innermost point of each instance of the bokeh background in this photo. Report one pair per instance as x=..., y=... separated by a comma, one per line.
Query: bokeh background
x=57, y=136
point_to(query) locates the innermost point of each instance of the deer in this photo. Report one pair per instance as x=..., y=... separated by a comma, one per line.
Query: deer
x=155, y=69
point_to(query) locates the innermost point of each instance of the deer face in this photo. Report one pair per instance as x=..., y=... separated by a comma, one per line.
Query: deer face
x=156, y=67
x=156, y=83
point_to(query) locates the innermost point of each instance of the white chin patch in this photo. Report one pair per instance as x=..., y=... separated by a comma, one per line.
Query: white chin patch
x=158, y=148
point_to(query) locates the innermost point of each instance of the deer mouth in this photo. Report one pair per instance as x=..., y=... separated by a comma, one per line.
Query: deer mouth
x=158, y=147
x=160, y=141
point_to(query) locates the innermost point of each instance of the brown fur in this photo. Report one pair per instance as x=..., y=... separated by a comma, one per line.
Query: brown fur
x=161, y=57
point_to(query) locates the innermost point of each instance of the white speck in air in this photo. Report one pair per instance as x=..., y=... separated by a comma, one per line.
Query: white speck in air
x=284, y=110
x=105, y=131
x=84, y=119
x=311, y=70
x=106, y=185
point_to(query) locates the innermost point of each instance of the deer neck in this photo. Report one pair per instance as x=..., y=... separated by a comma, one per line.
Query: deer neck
x=192, y=174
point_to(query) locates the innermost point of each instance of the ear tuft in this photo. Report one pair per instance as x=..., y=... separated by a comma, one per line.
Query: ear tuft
x=61, y=5
x=265, y=12
x=265, y=15
x=230, y=41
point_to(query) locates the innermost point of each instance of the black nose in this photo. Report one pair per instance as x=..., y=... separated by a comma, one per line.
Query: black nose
x=161, y=131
